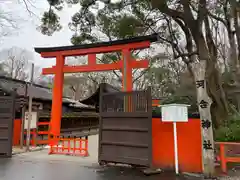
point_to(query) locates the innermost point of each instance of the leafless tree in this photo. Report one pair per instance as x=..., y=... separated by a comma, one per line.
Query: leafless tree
x=16, y=62
x=8, y=23
x=29, y=6
x=10, y=20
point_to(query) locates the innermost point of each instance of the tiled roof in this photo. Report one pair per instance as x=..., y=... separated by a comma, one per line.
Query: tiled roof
x=37, y=91
x=8, y=85
x=75, y=103
x=93, y=100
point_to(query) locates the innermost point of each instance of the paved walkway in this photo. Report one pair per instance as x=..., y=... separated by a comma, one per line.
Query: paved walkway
x=64, y=167
x=43, y=154
x=19, y=168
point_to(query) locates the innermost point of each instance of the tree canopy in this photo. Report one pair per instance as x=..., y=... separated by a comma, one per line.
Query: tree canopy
x=201, y=39
x=189, y=30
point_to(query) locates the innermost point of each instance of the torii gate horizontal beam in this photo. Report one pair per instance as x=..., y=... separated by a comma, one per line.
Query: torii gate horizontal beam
x=81, y=52
x=96, y=48
x=97, y=67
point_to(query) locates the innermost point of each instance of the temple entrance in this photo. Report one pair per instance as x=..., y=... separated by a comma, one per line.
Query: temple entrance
x=135, y=106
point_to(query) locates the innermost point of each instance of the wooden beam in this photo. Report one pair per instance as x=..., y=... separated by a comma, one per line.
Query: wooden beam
x=113, y=48
x=97, y=67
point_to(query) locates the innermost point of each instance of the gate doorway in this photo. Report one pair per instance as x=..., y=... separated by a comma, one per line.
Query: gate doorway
x=126, y=64
x=136, y=106
x=7, y=113
x=125, y=129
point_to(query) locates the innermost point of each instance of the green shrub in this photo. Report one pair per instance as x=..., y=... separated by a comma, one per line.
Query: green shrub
x=183, y=100
x=178, y=100
x=229, y=131
x=156, y=111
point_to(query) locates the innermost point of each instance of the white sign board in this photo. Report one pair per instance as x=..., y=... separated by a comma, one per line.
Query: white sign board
x=174, y=112
x=33, y=120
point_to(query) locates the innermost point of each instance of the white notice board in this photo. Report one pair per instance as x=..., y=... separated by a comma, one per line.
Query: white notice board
x=33, y=120
x=174, y=113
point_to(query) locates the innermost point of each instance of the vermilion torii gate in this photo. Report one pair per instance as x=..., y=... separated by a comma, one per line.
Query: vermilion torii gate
x=126, y=64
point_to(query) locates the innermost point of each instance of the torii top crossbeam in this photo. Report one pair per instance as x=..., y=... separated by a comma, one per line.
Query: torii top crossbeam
x=126, y=64
x=84, y=49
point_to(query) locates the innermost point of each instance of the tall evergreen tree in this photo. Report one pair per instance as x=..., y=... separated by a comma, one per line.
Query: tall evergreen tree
x=185, y=25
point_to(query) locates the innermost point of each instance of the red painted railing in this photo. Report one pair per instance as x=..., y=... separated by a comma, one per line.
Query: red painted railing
x=223, y=158
x=33, y=136
x=70, y=146
x=43, y=141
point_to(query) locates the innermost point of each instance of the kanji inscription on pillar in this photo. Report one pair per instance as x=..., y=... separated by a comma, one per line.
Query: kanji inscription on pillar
x=203, y=104
x=207, y=145
x=200, y=83
x=206, y=124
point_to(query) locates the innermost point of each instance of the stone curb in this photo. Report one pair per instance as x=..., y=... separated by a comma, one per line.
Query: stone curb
x=32, y=150
x=198, y=176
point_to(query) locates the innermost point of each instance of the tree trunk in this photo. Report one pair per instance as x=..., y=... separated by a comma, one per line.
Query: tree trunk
x=219, y=107
x=236, y=15
x=12, y=68
x=204, y=104
x=231, y=27
x=77, y=94
x=234, y=63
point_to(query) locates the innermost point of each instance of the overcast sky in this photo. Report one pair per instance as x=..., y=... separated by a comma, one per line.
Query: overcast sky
x=28, y=37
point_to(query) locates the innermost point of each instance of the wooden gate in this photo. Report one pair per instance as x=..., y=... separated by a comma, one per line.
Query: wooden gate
x=125, y=129
x=7, y=114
